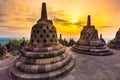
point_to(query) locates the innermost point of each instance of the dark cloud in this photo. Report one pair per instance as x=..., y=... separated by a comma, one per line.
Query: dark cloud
x=2, y=21
x=59, y=13
x=18, y=19
x=105, y=26
x=58, y=17
x=59, y=20
x=12, y=27
x=2, y=14
x=30, y=19
x=68, y=23
x=79, y=24
x=116, y=3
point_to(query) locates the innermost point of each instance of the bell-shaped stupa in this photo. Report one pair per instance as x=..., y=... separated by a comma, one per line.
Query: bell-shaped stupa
x=44, y=58
x=102, y=39
x=115, y=43
x=89, y=43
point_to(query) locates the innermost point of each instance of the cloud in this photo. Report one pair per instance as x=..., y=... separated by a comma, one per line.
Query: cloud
x=68, y=23
x=2, y=14
x=116, y=3
x=1, y=20
x=13, y=27
x=105, y=26
x=31, y=19
x=59, y=20
x=59, y=17
x=18, y=16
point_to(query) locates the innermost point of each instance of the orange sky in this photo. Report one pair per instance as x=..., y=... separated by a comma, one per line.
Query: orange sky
x=18, y=16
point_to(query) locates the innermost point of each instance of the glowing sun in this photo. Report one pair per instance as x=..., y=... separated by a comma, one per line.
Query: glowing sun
x=74, y=20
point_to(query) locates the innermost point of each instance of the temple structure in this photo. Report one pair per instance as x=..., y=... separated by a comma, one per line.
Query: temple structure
x=89, y=43
x=45, y=58
x=102, y=39
x=61, y=40
x=115, y=43
x=71, y=42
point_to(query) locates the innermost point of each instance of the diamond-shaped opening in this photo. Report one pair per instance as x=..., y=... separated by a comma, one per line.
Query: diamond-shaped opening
x=32, y=40
x=38, y=41
x=50, y=31
x=41, y=35
x=37, y=31
x=48, y=35
x=44, y=31
x=44, y=41
x=35, y=36
x=47, y=27
x=51, y=40
x=35, y=27
x=33, y=31
x=53, y=35
x=41, y=27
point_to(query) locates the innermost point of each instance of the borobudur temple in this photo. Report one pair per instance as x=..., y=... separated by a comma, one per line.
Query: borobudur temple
x=44, y=58
x=89, y=43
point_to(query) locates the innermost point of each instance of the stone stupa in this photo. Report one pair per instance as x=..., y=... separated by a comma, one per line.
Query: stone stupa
x=102, y=39
x=45, y=58
x=89, y=43
x=115, y=43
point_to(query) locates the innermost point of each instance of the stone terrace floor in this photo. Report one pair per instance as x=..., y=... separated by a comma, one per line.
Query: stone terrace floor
x=87, y=67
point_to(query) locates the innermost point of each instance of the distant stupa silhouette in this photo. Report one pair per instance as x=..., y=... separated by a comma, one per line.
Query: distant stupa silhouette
x=45, y=58
x=102, y=39
x=115, y=43
x=89, y=43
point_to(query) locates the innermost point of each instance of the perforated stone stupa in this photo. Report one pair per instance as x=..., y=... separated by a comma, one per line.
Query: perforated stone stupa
x=45, y=58
x=115, y=43
x=89, y=43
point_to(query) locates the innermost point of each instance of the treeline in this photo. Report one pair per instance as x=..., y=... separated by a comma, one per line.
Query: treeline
x=18, y=42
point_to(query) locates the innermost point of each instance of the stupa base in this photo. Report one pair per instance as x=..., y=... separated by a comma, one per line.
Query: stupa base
x=106, y=53
x=114, y=47
x=16, y=74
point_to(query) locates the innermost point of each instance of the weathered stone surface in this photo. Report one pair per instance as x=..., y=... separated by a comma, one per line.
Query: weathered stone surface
x=115, y=43
x=86, y=67
x=89, y=43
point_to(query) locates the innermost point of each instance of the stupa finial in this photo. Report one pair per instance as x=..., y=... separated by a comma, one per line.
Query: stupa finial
x=100, y=36
x=60, y=36
x=89, y=21
x=44, y=11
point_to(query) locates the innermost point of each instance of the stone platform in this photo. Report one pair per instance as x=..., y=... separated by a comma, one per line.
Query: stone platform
x=86, y=67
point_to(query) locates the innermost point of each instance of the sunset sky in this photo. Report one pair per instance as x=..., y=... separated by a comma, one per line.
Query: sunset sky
x=18, y=16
